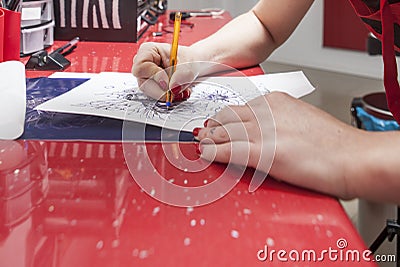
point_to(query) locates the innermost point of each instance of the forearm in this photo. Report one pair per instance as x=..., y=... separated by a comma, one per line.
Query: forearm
x=376, y=170
x=242, y=42
x=250, y=38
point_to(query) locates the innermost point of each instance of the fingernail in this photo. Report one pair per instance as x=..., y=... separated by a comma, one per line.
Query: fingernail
x=176, y=90
x=186, y=94
x=178, y=97
x=196, y=131
x=182, y=96
x=206, y=122
x=198, y=149
x=163, y=84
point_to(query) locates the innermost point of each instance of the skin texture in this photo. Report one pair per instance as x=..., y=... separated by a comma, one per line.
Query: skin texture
x=306, y=146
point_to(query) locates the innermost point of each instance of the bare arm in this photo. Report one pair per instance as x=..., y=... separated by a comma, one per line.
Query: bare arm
x=376, y=170
x=245, y=41
x=250, y=38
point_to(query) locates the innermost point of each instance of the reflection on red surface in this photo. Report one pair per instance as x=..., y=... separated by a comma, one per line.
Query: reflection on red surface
x=76, y=204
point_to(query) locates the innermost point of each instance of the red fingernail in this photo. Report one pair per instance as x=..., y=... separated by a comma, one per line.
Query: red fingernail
x=163, y=84
x=186, y=94
x=176, y=90
x=178, y=97
x=206, y=122
x=182, y=96
x=196, y=131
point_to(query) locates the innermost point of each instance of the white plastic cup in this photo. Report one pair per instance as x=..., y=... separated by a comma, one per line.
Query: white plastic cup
x=12, y=99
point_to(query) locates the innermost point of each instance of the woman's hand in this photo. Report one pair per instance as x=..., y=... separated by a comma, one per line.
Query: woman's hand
x=151, y=67
x=292, y=140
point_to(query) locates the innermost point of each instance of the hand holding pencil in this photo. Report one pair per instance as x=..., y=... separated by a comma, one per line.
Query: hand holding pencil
x=157, y=70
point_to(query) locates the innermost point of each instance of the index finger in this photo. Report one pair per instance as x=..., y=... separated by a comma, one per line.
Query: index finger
x=231, y=114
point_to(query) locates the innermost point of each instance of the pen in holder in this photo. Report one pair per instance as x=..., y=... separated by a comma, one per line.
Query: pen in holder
x=44, y=61
x=10, y=26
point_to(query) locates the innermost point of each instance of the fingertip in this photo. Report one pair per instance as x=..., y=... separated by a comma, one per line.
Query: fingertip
x=207, y=151
x=182, y=96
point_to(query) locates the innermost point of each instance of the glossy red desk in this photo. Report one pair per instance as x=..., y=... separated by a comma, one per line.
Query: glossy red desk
x=77, y=204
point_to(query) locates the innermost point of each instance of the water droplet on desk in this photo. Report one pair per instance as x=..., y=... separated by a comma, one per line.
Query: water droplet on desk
x=16, y=172
x=205, y=181
x=115, y=223
x=171, y=180
x=100, y=245
x=247, y=211
x=270, y=242
x=156, y=210
x=152, y=192
x=320, y=217
x=185, y=170
x=186, y=241
x=235, y=234
x=329, y=233
x=135, y=252
x=185, y=181
x=239, y=193
x=2, y=151
x=51, y=208
x=115, y=243
x=202, y=222
x=143, y=254
x=273, y=205
x=1, y=162
x=193, y=222
x=189, y=210
x=82, y=160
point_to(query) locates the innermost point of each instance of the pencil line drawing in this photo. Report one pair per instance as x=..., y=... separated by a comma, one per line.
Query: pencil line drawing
x=206, y=100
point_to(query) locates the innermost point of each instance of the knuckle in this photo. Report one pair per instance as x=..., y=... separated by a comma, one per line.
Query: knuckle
x=222, y=134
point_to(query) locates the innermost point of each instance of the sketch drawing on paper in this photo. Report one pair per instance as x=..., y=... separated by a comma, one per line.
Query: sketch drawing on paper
x=205, y=101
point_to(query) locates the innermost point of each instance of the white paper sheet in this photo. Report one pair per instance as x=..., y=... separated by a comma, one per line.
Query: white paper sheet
x=116, y=95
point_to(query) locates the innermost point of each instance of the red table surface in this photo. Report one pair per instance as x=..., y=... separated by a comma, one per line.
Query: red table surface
x=76, y=204
x=95, y=57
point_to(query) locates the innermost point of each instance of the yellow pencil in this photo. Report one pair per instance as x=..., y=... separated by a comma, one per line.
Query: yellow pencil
x=174, y=53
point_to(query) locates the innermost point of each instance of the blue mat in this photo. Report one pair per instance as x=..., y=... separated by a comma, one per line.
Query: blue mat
x=63, y=126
